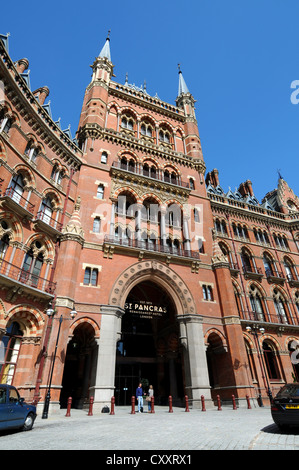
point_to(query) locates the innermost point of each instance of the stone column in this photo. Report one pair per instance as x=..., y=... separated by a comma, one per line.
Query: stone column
x=195, y=361
x=105, y=376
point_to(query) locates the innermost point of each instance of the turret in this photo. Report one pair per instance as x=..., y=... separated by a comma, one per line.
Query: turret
x=186, y=102
x=96, y=96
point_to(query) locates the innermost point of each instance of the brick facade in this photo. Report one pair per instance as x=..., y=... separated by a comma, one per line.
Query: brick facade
x=174, y=280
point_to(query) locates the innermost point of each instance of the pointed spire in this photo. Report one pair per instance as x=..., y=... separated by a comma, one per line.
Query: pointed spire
x=182, y=84
x=105, y=52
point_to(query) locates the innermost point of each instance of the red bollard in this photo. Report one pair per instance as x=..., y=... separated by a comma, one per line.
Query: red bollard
x=248, y=402
x=69, y=404
x=90, y=406
x=152, y=405
x=133, y=405
x=234, y=402
x=187, y=404
x=219, y=403
x=112, y=405
x=170, y=404
x=203, y=406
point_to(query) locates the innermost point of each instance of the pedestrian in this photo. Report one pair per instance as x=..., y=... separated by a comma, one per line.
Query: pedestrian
x=149, y=397
x=139, y=396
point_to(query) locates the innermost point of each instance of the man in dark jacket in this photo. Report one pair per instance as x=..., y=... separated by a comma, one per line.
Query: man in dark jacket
x=139, y=396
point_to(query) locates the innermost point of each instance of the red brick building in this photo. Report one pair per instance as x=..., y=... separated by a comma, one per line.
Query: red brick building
x=175, y=282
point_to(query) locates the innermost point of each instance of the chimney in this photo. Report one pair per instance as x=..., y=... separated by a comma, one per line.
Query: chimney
x=41, y=94
x=249, y=186
x=22, y=65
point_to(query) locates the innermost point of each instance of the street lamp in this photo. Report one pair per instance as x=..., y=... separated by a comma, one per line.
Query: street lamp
x=51, y=312
x=255, y=329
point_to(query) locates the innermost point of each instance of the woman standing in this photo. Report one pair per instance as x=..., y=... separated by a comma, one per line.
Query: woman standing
x=150, y=395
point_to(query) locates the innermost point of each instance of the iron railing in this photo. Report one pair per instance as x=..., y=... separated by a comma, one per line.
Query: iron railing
x=145, y=245
x=16, y=273
x=156, y=176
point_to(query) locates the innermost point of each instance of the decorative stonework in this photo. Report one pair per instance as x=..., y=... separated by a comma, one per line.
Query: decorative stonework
x=161, y=274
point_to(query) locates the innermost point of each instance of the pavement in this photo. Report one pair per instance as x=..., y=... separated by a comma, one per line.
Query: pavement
x=179, y=433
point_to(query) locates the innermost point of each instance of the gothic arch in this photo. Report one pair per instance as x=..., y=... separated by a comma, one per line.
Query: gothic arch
x=82, y=320
x=156, y=272
x=30, y=318
x=27, y=174
x=48, y=244
x=217, y=335
x=15, y=227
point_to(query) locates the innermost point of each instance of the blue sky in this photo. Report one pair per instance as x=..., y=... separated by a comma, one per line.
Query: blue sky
x=238, y=58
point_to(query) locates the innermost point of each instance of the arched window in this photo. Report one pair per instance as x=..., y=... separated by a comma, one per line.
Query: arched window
x=269, y=265
x=149, y=210
x=57, y=174
x=281, y=307
x=290, y=270
x=247, y=261
x=5, y=121
x=220, y=227
x=125, y=205
x=11, y=343
x=46, y=210
x=191, y=183
x=32, y=266
x=257, y=304
x=17, y=187
x=164, y=136
x=146, y=129
x=261, y=236
x=240, y=231
x=166, y=176
x=4, y=241
x=31, y=151
x=281, y=241
x=127, y=123
x=271, y=360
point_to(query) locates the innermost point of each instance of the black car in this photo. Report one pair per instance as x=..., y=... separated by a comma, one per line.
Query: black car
x=285, y=406
x=14, y=412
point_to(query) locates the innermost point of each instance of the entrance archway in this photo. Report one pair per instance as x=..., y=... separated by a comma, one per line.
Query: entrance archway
x=190, y=337
x=149, y=351
x=80, y=366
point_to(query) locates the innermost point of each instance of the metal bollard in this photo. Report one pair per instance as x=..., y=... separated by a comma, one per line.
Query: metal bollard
x=90, y=406
x=69, y=404
x=234, y=402
x=187, y=404
x=248, y=402
x=219, y=403
x=152, y=405
x=112, y=405
x=203, y=406
x=170, y=404
x=133, y=405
